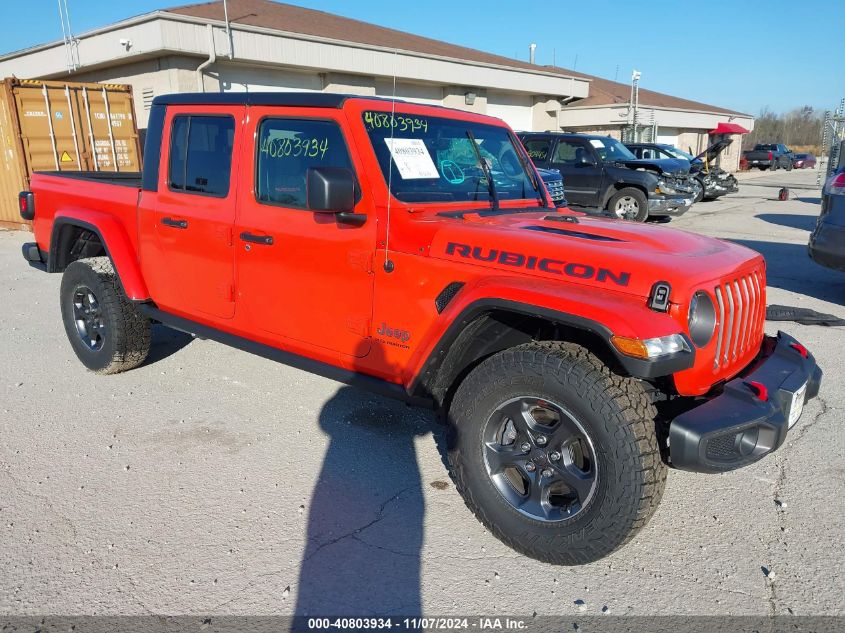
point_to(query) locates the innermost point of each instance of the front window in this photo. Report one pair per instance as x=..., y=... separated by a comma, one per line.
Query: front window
x=433, y=159
x=610, y=150
x=287, y=149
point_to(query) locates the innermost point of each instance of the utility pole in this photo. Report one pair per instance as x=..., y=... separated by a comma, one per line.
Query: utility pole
x=635, y=102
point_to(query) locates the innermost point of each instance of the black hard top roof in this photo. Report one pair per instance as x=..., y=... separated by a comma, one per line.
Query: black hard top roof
x=291, y=99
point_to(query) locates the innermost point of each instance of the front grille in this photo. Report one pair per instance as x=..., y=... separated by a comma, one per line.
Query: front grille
x=556, y=190
x=741, y=310
x=681, y=184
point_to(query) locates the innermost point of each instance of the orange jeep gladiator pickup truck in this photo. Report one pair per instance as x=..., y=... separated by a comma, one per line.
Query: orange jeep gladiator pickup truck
x=414, y=250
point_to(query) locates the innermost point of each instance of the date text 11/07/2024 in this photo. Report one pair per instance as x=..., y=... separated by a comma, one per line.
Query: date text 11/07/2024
x=418, y=623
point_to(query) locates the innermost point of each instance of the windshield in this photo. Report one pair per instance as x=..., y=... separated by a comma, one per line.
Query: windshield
x=674, y=152
x=611, y=150
x=434, y=159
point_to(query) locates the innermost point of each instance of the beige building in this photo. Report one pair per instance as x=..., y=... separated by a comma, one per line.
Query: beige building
x=267, y=46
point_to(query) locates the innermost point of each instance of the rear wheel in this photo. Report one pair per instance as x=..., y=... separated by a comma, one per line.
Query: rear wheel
x=629, y=204
x=104, y=328
x=555, y=454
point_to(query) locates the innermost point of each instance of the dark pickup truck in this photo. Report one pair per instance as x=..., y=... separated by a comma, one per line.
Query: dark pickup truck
x=770, y=155
x=599, y=172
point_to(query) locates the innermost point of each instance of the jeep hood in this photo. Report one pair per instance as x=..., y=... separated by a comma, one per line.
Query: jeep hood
x=603, y=253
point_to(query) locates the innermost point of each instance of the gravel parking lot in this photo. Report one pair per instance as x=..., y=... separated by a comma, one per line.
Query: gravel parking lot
x=209, y=481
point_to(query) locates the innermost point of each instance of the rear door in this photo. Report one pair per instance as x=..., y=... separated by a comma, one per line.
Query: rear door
x=582, y=174
x=302, y=276
x=189, y=262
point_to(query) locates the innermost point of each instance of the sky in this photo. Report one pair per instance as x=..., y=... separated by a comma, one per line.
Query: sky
x=743, y=55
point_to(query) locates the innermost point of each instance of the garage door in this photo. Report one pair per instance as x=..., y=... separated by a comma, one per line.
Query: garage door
x=515, y=110
x=428, y=95
x=261, y=80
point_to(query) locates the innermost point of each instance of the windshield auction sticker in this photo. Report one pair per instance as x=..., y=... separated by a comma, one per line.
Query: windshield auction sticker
x=412, y=158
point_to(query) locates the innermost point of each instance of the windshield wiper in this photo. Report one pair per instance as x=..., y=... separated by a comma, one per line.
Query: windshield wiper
x=491, y=186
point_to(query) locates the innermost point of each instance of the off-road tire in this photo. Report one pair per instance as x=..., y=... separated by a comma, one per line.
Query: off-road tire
x=617, y=415
x=636, y=194
x=126, y=338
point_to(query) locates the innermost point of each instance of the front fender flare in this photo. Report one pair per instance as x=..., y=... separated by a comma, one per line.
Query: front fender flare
x=603, y=314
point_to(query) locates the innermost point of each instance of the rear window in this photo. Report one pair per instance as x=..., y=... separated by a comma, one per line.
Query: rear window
x=201, y=154
x=538, y=149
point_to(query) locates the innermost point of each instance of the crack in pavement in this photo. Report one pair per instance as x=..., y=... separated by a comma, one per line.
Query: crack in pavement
x=75, y=542
x=380, y=514
x=777, y=490
x=358, y=530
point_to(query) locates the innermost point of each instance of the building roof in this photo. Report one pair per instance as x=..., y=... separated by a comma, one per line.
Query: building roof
x=294, y=19
x=604, y=92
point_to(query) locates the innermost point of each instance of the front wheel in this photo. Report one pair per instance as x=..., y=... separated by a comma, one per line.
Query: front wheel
x=104, y=328
x=699, y=192
x=556, y=455
x=629, y=204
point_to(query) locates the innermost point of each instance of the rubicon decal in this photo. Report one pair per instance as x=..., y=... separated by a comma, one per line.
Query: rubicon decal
x=532, y=262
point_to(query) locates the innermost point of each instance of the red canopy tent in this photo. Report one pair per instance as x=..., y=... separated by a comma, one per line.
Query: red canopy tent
x=729, y=128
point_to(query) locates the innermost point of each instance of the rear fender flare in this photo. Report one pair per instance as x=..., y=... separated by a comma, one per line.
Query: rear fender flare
x=116, y=242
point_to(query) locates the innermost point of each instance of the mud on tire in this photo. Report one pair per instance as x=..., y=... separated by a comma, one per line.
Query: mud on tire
x=613, y=412
x=104, y=328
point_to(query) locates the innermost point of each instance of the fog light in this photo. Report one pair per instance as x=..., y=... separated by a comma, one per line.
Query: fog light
x=748, y=441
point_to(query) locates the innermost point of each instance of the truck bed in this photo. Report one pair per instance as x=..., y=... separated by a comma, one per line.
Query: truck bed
x=122, y=178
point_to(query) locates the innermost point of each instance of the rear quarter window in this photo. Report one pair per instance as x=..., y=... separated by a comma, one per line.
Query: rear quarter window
x=538, y=149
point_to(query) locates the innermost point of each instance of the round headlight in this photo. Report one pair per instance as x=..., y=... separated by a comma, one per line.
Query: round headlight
x=702, y=318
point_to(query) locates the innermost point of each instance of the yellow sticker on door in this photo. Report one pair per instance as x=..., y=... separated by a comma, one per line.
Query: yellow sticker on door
x=66, y=158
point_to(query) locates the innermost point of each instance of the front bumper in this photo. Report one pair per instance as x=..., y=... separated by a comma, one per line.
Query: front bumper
x=739, y=427
x=669, y=205
x=827, y=245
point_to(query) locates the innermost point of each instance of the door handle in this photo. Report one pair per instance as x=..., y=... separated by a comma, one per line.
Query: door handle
x=266, y=240
x=176, y=224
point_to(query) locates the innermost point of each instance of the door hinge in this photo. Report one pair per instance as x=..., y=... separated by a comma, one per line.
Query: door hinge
x=226, y=234
x=359, y=326
x=227, y=292
x=361, y=259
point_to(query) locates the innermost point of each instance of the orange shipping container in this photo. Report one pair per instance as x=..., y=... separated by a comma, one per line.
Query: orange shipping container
x=62, y=126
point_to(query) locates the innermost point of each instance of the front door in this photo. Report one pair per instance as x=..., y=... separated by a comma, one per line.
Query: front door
x=188, y=250
x=301, y=276
x=582, y=175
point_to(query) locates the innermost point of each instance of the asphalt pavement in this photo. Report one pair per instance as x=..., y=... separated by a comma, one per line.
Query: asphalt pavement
x=209, y=481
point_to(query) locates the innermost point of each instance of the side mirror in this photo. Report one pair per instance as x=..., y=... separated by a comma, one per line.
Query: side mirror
x=332, y=190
